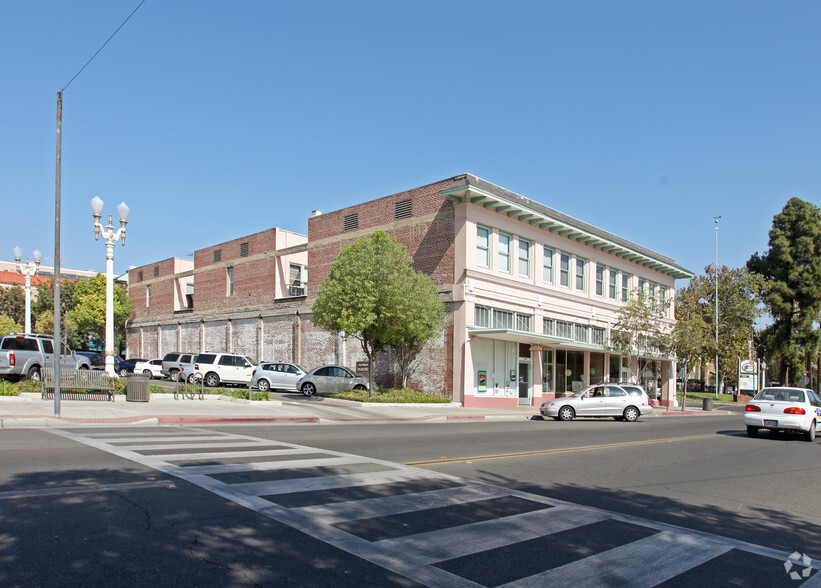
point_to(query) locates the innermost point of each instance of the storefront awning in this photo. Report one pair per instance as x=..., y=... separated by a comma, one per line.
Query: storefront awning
x=532, y=339
x=548, y=341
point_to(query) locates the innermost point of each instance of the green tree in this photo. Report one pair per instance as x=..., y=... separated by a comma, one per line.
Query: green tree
x=44, y=322
x=694, y=337
x=13, y=304
x=368, y=294
x=641, y=327
x=88, y=315
x=8, y=325
x=791, y=269
x=423, y=314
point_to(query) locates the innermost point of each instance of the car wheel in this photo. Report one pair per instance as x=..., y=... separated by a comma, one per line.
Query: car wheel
x=631, y=413
x=752, y=431
x=34, y=374
x=566, y=413
x=84, y=367
x=147, y=373
x=123, y=373
x=810, y=435
x=308, y=389
x=192, y=379
x=360, y=387
x=174, y=375
x=212, y=380
x=264, y=385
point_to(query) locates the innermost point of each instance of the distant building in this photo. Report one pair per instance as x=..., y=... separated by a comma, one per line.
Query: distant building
x=531, y=295
x=9, y=276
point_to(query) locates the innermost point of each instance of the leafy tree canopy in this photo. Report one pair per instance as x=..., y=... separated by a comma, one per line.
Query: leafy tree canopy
x=372, y=293
x=8, y=325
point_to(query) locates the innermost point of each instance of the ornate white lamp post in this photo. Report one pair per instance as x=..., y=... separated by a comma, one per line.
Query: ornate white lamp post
x=111, y=236
x=28, y=270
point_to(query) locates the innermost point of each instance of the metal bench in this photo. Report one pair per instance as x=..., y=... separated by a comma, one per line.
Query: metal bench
x=78, y=384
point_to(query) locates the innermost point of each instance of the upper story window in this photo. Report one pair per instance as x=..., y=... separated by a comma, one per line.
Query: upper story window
x=547, y=263
x=502, y=319
x=625, y=287
x=524, y=322
x=642, y=285
x=482, y=246
x=140, y=276
x=481, y=316
x=652, y=294
x=524, y=258
x=564, y=269
x=156, y=271
x=663, y=298
x=581, y=277
x=229, y=274
x=243, y=249
x=612, y=284
x=600, y=277
x=504, y=252
x=217, y=255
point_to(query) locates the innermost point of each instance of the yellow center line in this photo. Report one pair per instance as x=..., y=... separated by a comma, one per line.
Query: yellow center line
x=444, y=460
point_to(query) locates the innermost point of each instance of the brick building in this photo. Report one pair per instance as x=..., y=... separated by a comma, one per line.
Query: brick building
x=531, y=295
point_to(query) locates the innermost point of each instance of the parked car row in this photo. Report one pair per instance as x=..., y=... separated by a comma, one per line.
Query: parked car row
x=216, y=368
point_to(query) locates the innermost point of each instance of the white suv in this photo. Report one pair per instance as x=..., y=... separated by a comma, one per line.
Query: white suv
x=226, y=368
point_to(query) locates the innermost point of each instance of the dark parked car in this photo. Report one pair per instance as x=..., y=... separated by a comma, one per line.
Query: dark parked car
x=97, y=360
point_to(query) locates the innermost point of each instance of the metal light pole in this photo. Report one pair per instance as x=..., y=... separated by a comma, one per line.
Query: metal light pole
x=28, y=270
x=111, y=236
x=716, y=219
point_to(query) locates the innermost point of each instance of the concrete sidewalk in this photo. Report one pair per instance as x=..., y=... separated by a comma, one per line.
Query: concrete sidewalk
x=28, y=410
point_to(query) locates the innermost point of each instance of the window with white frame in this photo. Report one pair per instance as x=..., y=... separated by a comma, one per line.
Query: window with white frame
x=625, y=287
x=564, y=329
x=612, y=284
x=481, y=316
x=580, y=333
x=600, y=276
x=549, y=326
x=147, y=296
x=524, y=258
x=642, y=285
x=547, y=263
x=564, y=269
x=504, y=252
x=229, y=275
x=502, y=319
x=663, y=298
x=482, y=246
x=524, y=322
x=581, y=267
x=652, y=294
x=598, y=335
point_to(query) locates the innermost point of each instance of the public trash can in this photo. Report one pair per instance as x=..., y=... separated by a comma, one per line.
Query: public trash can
x=707, y=404
x=136, y=389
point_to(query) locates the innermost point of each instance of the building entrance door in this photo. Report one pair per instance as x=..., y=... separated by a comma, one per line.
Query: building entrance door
x=524, y=381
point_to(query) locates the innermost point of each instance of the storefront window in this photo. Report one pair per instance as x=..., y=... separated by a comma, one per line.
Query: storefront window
x=569, y=370
x=596, y=368
x=615, y=368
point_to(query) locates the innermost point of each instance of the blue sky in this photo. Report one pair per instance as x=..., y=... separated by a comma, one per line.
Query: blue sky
x=214, y=119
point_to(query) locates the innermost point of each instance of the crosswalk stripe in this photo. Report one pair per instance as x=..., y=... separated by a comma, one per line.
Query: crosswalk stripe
x=456, y=542
x=390, y=505
x=645, y=562
x=267, y=466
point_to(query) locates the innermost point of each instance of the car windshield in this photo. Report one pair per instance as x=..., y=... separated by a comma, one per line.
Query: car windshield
x=781, y=394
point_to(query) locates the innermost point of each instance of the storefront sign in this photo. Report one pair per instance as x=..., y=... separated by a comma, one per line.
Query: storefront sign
x=482, y=381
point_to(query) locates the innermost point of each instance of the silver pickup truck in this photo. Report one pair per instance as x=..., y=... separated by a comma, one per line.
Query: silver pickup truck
x=22, y=356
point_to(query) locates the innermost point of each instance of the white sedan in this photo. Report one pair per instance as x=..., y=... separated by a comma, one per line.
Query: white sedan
x=152, y=369
x=796, y=410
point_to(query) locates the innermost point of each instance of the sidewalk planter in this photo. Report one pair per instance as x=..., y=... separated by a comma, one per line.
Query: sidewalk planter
x=707, y=404
x=137, y=388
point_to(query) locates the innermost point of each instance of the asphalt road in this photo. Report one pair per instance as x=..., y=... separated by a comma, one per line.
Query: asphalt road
x=73, y=514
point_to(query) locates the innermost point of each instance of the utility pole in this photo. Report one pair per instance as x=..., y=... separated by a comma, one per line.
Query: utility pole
x=716, y=219
x=57, y=205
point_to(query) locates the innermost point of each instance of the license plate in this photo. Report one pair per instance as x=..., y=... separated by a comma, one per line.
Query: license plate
x=770, y=423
